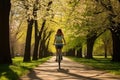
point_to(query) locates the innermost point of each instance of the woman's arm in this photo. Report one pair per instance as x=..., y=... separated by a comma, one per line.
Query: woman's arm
x=64, y=40
x=54, y=40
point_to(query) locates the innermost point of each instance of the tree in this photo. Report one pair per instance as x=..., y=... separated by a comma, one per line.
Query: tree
x=74, y=28
x=79, y=52
x=106, y=39
x=5, y=56
x=94, y=25
x=43, y=50
x=112, y=9
x=38, y=33
x=27, y=53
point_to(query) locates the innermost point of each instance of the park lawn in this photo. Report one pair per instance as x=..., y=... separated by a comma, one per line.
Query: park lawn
x=99, y=62
x=19, y=68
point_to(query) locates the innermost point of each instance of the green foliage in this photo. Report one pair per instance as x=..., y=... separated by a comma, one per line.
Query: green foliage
x=13, y=72
x=101, y=63
x=104, y=41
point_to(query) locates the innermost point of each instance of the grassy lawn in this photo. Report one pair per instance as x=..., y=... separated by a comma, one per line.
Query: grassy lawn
x=13, y=72
x=99, y=62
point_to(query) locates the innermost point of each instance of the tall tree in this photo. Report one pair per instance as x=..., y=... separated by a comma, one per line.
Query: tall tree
x=35, y=9
x=43, y=44
x=30, y=21
x=38, y=34
x=5, y=56
x=112, y=8
x=74, y=20
x=91, y=37
x=94, y=25
x=27, y=54
x=106, y=39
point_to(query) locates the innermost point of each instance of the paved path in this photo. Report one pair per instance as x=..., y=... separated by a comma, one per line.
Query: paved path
x=70, y=71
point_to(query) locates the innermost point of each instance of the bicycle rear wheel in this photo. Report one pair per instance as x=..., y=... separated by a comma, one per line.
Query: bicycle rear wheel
x=59, y=61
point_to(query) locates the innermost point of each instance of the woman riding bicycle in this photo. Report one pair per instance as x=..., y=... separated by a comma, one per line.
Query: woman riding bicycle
x=59, y=41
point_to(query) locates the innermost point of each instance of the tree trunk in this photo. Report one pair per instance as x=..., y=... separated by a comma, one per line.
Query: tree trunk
x=40, y=50
x=79, y=53
x=35, y=52
x=47, y=40
x=116, y=46
x=105, y=48
x=71, y=52
x=5, y=56
x=90, y=44
x=44, y=43
x=27, y=54
x=48, y=53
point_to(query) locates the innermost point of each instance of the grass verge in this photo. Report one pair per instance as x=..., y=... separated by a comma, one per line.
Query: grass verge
x=19, y=68
x=100, y=63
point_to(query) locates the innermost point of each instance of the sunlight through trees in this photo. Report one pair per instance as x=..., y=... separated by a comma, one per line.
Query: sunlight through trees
x=88, y=25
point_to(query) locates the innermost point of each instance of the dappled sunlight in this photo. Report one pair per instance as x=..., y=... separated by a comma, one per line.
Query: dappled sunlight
x=90, y=27
x=69, y=70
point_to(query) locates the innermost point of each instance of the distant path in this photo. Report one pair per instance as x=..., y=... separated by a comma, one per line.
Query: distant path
x=70, y=71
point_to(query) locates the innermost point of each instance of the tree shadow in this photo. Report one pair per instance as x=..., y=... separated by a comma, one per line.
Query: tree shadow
x=33, y=75
x=66, y=71
x=7, y=72
x=63, y=70
x=66, y=74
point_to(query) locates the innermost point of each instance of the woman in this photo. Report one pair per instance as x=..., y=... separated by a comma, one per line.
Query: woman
x=59, y=41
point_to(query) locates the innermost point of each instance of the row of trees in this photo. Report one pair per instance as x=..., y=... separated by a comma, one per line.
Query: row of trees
x=41, y=36
x=37, y=15
x=88, y=23
x=83, y=20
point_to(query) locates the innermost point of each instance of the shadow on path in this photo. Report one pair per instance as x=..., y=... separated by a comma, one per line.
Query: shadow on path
x=69, y=71
x=66, y=71
x=33, y=75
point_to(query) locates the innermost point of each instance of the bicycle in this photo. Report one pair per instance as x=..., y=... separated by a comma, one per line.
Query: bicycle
x=59, y=57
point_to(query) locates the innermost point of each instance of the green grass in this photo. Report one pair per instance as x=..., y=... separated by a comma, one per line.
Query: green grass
x=13, y=72
x=99, y=62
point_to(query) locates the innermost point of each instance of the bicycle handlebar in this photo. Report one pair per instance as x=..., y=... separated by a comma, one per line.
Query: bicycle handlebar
x=61, y=43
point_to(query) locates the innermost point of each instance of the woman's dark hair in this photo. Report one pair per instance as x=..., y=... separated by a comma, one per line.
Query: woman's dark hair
x=59, y=32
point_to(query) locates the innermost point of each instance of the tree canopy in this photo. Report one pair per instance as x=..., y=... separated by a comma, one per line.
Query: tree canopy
x=33, y=24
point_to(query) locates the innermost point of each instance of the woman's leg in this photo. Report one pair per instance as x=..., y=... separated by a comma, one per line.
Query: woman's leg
x=57, y=50
x=60, y=51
